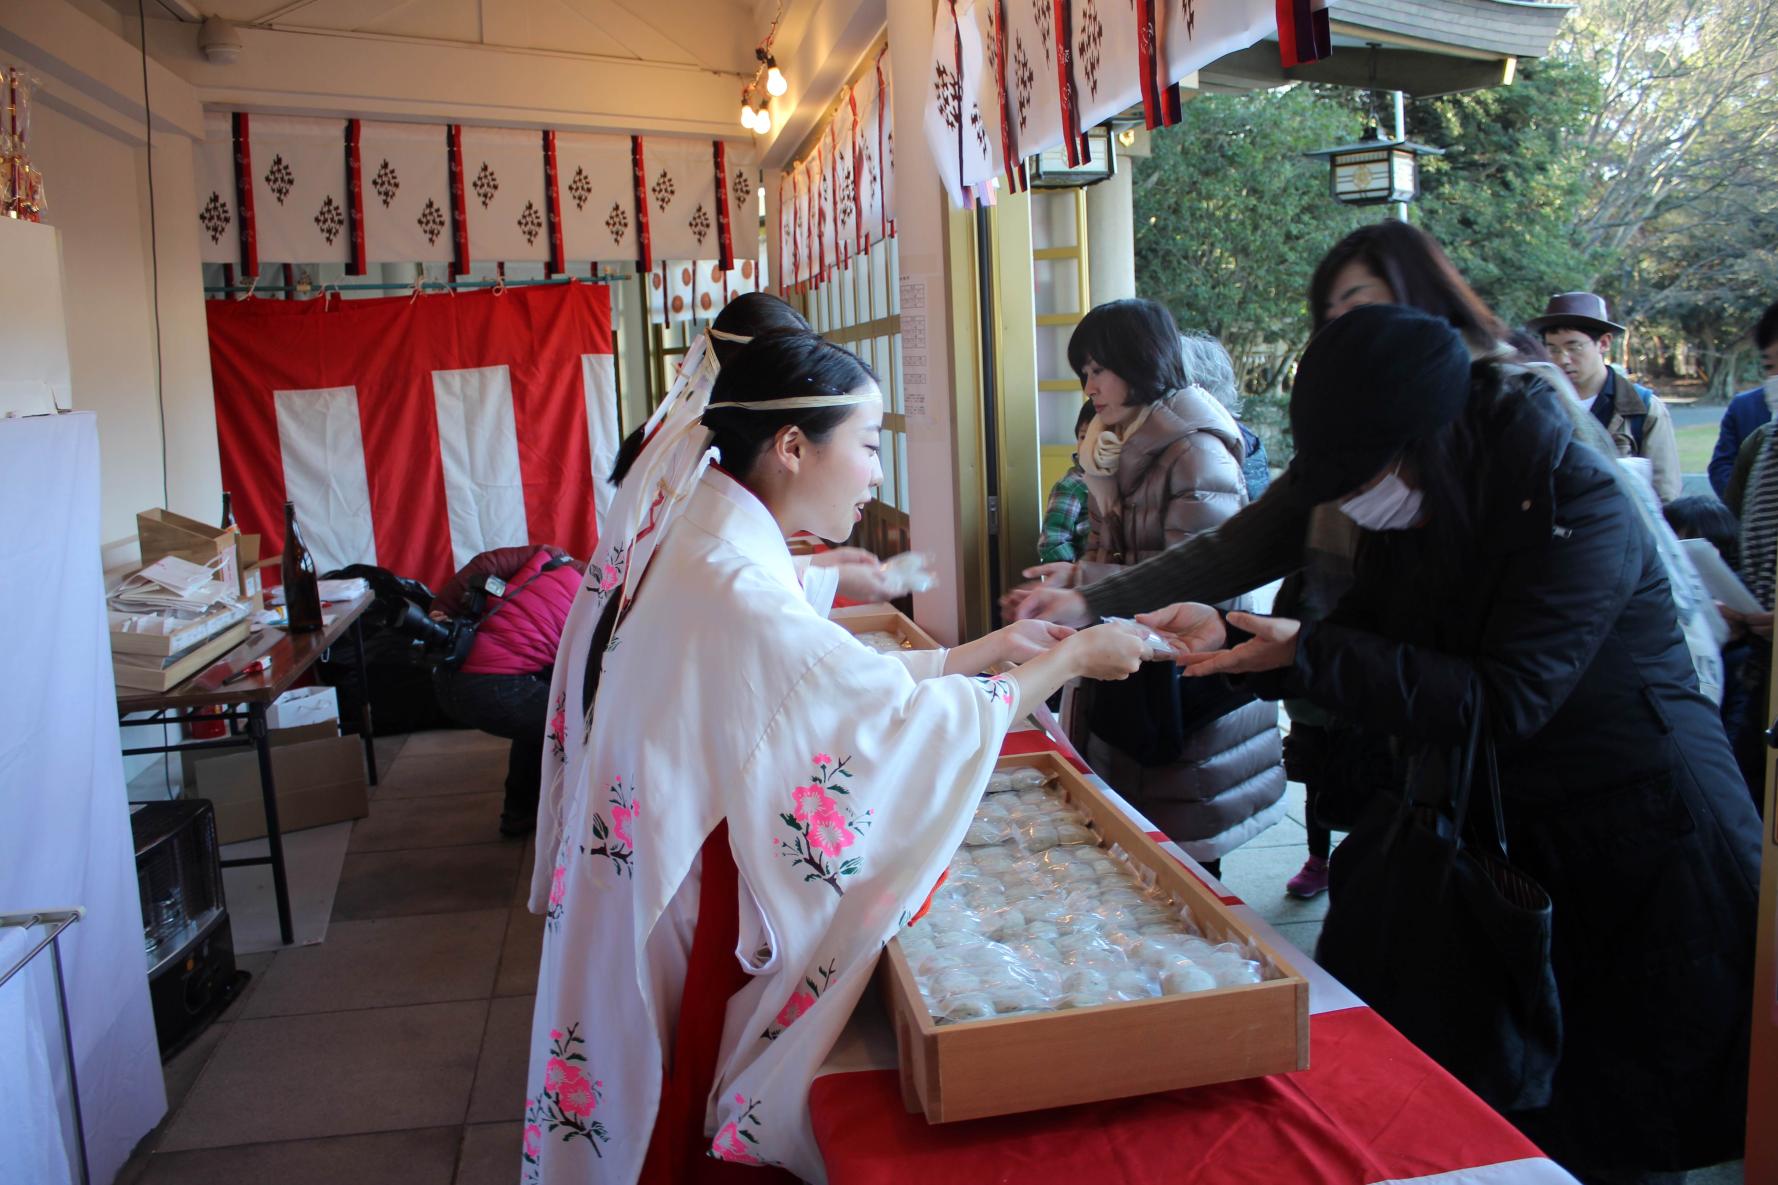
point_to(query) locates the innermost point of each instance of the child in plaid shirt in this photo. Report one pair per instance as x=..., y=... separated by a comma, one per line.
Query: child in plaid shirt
x=1065, y=520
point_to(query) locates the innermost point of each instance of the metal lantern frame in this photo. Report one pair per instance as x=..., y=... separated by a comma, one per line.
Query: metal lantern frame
x=1051, y=170
x=1375, y=171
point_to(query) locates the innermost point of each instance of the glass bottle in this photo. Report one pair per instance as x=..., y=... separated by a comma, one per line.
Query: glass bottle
x=302, y=589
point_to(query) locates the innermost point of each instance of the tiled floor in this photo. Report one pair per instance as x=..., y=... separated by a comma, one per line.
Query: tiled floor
x=393, y=1052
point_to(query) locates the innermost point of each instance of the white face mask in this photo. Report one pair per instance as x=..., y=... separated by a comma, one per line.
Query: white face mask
x=1772, y=393
x=1390, y=505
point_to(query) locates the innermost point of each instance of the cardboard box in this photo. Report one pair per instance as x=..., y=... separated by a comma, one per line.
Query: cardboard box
x=163, y=533
x=870, y=619
x=302, y=706
x=319, y=776
x=1009, y=1064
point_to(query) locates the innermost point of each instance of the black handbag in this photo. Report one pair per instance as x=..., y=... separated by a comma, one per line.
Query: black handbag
x=1149, y=715
x=1450, y=943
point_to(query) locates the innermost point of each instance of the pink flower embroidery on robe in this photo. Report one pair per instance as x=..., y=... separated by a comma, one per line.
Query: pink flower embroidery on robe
x=735, y=1141
x=565, y=1101
x=610, y=578
x=823, y=826
x=829, y=834
x=800, y=1001
x=805, y=810
x=613, y=841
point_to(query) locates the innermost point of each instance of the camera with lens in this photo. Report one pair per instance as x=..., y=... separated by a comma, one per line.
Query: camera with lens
x=445, y=643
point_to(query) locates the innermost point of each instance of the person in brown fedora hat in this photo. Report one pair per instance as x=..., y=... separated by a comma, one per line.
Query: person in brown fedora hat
x=1577, y=330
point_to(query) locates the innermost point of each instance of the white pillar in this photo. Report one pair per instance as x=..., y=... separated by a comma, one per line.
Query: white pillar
x=920, y=219
x=1111, y=238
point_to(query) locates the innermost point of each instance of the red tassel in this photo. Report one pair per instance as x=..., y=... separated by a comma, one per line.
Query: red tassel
x=644, y=244
x=244, y=196
x=459, y=207
x=355, y=190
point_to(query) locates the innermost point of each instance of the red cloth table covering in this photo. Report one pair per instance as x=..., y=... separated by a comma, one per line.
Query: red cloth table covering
x=1371, y=1108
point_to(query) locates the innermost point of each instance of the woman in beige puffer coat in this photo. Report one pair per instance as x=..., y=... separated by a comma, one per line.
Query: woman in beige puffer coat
x=1162, y=461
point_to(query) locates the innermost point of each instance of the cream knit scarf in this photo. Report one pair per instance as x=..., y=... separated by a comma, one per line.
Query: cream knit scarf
x=1106, y=445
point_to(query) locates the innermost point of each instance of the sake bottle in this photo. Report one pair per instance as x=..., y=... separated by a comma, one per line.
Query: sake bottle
x=228, y=513
x=302, y=589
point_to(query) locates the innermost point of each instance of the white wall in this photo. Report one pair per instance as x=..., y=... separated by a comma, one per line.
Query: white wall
x=88, y=138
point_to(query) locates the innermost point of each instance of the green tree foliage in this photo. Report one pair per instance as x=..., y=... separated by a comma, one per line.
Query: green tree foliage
x=1504, y=199
x=1231, y=219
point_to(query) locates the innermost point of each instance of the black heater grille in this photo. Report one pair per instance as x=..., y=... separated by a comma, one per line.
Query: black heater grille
x=178, y=874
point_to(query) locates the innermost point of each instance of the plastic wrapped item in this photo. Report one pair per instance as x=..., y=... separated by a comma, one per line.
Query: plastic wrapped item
x=1027, y=778
x=968, y=1006
x=986, y=832
x=882, y=641
x=1156, y=647
x=909, y=572
x=1186, y=976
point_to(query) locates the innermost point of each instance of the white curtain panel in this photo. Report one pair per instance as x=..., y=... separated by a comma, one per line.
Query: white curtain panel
x=1031, y=85
x=1107, y=59
x=844, y=136
x=406, y=174
x=301, y=209
x=787, y=243
x=887, y=107
x=598, y=196
x=802, y=182
x=956, y=128
x=219, y=222
x=868, y=160
x=681, y=192
x=827, y=221
x=1196, y=34
x=503, y=194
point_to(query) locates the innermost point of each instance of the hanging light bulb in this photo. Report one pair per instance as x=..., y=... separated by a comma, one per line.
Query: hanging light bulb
x=775, y=84
x=762, y=121
x=746, y=115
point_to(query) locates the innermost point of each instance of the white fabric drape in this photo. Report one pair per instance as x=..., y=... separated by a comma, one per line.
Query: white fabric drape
x=407, y=192
x=598, y=196
x=301, y=210
x=64, y=823
x=503, y=194
x=219, y=219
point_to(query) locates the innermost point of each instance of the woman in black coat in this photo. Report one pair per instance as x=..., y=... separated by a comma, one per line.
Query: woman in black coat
x=1500, y=570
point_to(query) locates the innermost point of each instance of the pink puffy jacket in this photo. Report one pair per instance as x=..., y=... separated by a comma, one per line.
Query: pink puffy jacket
x=520, y=636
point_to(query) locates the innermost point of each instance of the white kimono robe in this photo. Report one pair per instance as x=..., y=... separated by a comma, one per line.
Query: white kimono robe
x=847, y=779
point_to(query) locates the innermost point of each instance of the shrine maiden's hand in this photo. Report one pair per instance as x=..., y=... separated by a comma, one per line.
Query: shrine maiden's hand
x=1064, y=606
x=1191, y=627
x=1107, y=652
x=1023, y=641
x=860, y=573
x=1272, y=647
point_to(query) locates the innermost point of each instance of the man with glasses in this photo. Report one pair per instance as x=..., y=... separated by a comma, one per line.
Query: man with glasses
x=1578, y=333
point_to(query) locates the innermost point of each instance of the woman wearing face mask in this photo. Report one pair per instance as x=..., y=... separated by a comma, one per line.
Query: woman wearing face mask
x=1163, y=461
x=1388, y=262
x=753, y=801
x=1499, y=571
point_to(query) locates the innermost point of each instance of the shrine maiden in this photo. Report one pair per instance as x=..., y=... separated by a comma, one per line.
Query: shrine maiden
x=758, y=801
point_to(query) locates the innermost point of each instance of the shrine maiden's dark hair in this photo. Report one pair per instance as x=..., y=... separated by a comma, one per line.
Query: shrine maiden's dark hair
x=1418, y=273
x=1137, y=341
x=750, y=315
x=771, y=368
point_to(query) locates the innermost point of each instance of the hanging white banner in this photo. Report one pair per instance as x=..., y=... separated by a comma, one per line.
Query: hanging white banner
x=1107, y=58
x=405, y=169
x=503, y=194
x=682, y=195
x=300, y=208
x=219, y=222
x=598, y=196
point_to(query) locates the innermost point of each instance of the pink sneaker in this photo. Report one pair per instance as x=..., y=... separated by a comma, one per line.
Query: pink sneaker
x=1310, y=880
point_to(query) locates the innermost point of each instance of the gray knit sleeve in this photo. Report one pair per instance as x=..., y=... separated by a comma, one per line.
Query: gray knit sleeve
x=1262, y=543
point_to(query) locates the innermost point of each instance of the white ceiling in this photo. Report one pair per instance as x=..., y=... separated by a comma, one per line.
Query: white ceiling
x=717, y=35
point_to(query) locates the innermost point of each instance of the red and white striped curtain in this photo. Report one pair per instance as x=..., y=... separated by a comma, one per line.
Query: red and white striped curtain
x=416, y=432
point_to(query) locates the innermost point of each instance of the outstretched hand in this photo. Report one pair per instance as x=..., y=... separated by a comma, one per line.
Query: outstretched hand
x=1272, y=647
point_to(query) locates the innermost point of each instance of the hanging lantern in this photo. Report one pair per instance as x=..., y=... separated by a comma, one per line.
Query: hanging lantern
x=1375, y=171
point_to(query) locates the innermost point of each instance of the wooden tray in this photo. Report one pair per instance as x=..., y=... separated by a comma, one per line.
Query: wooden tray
x=884, y=618
x=1054, y=1059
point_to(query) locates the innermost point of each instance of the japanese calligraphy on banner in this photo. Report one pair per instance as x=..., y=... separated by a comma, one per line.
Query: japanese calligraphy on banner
x=1010, y=79
x=407, y=194
x=298, y=174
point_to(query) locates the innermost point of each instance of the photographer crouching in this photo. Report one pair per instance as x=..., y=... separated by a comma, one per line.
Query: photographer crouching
x=505, y=610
